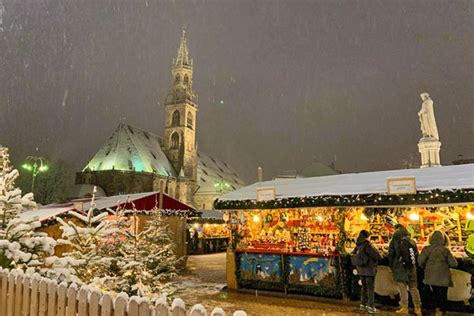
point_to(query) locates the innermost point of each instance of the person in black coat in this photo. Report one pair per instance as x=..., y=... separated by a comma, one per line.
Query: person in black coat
x=367, y=271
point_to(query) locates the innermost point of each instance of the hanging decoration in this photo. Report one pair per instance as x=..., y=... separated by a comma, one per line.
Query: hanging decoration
x=421, y=198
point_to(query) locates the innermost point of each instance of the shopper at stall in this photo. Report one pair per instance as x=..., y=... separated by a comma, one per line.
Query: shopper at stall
x=365, y=258
x=402, y=256
x=436, y=259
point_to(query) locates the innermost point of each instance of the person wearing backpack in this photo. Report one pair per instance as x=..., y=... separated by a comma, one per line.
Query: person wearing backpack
x=365, y=258
x=436, y=259
x=402, y=257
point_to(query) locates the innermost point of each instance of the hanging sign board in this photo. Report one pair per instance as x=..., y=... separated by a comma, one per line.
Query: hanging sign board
x=266, y=194
x=401, y=185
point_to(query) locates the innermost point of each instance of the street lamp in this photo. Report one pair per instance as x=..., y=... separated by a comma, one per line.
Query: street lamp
x=221, y=185
x=36, y=166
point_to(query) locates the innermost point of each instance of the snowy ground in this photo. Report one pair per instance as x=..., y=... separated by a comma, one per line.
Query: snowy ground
x=204, y=280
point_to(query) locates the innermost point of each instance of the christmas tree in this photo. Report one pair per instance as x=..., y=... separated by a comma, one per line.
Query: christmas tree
x=145, y=260
x=11, y=200
x=88, y=258
x=21, y=246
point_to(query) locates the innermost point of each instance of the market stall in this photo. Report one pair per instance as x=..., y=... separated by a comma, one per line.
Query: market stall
x=208, y=233
x=297, y=239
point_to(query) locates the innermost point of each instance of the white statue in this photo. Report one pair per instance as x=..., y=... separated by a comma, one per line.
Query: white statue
x=427, y=118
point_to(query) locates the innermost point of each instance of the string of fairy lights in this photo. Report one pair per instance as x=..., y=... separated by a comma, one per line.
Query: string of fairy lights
x=421, y=198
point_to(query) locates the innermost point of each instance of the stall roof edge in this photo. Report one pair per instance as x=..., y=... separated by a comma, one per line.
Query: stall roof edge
x=444, y=178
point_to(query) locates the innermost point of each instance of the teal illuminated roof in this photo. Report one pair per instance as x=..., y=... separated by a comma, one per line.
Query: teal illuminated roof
x=132, y=149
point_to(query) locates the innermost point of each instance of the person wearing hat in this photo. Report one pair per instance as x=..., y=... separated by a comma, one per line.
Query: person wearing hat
x=436, y=259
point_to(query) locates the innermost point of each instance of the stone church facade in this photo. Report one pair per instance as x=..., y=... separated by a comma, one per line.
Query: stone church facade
x=134, y=160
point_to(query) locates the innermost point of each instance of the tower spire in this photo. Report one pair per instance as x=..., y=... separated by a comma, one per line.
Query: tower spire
x=183, y=56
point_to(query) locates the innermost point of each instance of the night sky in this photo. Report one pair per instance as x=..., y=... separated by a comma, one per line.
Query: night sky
x=280, y=83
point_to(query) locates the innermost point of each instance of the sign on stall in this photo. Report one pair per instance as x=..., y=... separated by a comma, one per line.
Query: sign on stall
x=401, y=185
x=266, y=194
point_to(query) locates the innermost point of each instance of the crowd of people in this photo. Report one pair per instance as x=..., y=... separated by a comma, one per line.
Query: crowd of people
x=435, y=260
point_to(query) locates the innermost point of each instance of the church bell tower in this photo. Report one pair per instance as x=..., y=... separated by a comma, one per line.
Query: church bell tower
x=180, y=116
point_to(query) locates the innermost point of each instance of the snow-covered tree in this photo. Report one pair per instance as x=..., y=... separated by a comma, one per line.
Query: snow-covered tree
x=11, y=200
x=146, y=261
x=21, y=245
x=89, y=260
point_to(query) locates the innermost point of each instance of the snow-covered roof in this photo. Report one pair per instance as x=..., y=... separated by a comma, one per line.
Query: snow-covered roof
x=112, y=201
x=101, y=203
x=132, y=149
x=213, y=171
x=45, y=212
x=443, y=178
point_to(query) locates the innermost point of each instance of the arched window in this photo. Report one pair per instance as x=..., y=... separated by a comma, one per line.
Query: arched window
x=178, y=78
x=190, y=120
x=186, y=79
x=174, y=140
x=175, y=118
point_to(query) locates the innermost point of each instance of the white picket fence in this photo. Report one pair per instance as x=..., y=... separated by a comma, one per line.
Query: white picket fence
x=32, y=295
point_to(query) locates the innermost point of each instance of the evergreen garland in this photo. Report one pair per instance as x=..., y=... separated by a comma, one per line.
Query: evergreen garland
x=421, y=198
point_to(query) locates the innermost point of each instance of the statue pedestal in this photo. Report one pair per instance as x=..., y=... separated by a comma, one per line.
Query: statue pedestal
x=429, y=149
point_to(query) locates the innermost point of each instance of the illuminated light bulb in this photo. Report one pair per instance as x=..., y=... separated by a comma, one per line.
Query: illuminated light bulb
x=363, y=217
x=256, y=218
x=414, y=217
x=319, y=218
x=196, y=225
x=469, y=216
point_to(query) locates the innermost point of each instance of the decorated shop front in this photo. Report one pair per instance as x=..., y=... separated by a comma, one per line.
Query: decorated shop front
x=299, y=239
x=208, y=233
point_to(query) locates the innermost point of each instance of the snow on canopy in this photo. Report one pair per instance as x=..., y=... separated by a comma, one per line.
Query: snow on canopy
x=133, y=149
x=142, y=201
x=443, y=178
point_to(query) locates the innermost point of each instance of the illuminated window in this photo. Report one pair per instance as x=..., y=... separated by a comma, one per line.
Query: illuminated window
x=175, y=118
x=175, y=140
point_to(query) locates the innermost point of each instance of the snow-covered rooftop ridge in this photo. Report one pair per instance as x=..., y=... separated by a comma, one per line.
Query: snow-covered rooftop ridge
x=443, y=178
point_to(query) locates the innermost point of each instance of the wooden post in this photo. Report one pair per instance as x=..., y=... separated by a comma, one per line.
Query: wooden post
x=161, y=308
x=11, y=295
x=3, y=292
x=43, y=298
x=71, y=300
x=133, y=307
x=144, y=309
x=160, y=201
x=34, y=307
x=62, y=293
x=94, y=303
x=18, y=293
x=107, y=305
x=82, y=308
x=120, y=306
x=52, y=298
x=26, y=296
x=178, y=307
